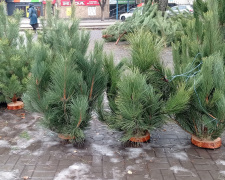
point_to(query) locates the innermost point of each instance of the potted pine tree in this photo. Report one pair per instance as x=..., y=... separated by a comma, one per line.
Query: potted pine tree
x=138, y=108
x=136, y=105
x=203, y=116
x=64, y=85
x=199, y=66
x=14, y=59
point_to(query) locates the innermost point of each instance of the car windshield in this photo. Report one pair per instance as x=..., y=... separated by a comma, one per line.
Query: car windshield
x=174, y=8
x=131, y=10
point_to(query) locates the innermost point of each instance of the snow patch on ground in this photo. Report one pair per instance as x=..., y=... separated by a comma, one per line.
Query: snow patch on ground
x=220, y=162
x=6, y=129
x=147, y=146
x=134, y=167
x=103, y=150
x=177, y=169
x=138, y=160
x=182, y=147
x=180, y=155
x=117, y=173
x=38, y=153
x=4, y=175
x=115, y=160
x=148, y=158
x=146, y=176
x=36, y=115
x=221, y=175
x=25, y=125
x=76, y=171
x=134, y=153
x=39, y=134
x=4, y=143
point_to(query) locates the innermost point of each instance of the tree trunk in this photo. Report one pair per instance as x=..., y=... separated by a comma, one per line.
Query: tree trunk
x=163, y=5
x=102, y=13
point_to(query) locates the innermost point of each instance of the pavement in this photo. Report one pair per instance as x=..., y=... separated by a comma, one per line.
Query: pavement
x=86, y=24
x=29, y=151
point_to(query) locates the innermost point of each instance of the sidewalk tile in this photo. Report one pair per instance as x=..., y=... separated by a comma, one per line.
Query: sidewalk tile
x=138, y=177
x=187, y=178
x=205, y=175
x=203, y=153
x=153, y=166
x=43, y=174
x=3, y=159
x=46, y=168
x=97, y=161
x=156, y=174
x=167, y=174
x=13, y=159
x=205, y=167
x=28, y=171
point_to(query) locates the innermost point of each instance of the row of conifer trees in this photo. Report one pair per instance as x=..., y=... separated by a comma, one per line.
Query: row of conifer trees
x=66, y=83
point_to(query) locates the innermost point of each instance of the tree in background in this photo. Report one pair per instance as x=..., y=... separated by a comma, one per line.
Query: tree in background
x=162, y=5
x=102, y=4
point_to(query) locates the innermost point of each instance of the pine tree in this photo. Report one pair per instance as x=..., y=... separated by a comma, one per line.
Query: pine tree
x=15, y=56
x=145, y=55
x=138, y=106
x=135, y=99
x=199, y=70
x=65, y=83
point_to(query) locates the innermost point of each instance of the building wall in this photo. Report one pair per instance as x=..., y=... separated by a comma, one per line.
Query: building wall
x=83, y=12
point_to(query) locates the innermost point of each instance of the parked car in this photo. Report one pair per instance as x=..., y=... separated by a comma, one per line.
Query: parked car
x=128, y=14
x=180, y=9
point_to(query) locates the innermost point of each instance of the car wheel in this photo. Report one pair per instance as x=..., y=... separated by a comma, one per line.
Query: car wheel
x=123, y=18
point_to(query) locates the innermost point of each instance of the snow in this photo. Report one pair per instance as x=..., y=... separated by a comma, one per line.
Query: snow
x=25, y=125
x=4, y=143
x=115, y=160
x=220, y=162
x=4, y=175
x=73, y=172
x=37, y=134
x=134, y=167
x=177, y=169
x=180, y=155
x=117, y=173
x=221, y=175
x=103, y=150
x=6, y=129
x=134, y=153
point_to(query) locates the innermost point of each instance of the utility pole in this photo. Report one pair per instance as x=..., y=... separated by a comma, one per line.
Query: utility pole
x=117, y=7
x=128, y=4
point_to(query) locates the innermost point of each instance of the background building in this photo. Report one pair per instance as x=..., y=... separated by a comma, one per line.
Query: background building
x=24, y=5
x=85, y=9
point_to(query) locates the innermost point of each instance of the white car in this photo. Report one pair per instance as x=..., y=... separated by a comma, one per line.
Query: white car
x=126, y=15
x=180, y=9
